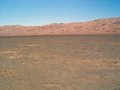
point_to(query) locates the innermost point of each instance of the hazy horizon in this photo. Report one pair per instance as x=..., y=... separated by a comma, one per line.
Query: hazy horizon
x=43, y=12
x=57, y=22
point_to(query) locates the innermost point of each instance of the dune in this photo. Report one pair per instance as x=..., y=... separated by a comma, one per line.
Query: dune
x=99, y=26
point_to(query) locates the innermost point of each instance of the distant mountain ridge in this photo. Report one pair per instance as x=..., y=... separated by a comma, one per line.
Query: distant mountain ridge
x=99, y=26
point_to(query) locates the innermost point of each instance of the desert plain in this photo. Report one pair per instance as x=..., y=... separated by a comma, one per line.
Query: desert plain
x=74, y=62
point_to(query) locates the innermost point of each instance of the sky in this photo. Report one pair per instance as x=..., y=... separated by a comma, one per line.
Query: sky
x=41, y=12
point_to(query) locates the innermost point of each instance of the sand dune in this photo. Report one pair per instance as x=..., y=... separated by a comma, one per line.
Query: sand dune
x=99, y=26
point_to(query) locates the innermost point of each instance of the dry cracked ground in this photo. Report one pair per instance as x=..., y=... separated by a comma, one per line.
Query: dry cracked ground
x=60, y=62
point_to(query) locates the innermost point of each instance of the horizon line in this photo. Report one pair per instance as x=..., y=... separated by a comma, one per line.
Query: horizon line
x=60, y=22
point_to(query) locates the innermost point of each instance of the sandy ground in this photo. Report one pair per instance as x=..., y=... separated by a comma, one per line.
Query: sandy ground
x=60, y=63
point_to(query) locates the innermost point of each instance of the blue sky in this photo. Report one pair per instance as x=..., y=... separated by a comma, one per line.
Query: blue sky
x=40, y=12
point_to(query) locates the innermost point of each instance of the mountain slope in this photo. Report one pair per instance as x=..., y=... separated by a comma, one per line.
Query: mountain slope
x=99, y=26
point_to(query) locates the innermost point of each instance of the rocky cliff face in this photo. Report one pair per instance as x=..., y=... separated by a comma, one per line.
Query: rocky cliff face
x=99, y=26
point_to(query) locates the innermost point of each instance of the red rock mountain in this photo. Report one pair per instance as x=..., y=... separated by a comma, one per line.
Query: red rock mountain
x=99, y=26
